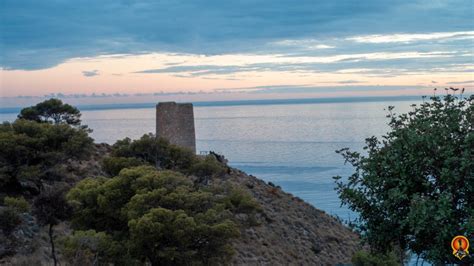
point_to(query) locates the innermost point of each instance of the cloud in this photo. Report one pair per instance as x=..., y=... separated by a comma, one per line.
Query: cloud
x=461, y=82
x=307, y=43
x=41, y=34
x=90, y=73
x=407, y=38
x=375, y=63
x=319, y=89
x=350, y=81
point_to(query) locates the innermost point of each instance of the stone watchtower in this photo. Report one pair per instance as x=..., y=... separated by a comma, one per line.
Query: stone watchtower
x=175, y=122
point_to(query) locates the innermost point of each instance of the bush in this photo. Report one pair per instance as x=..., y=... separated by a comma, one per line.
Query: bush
x=157, y=152
x=363, y=258
x=51, y=207
x=31, y=151
x=113, y=165
x=156, y=216
x=9, y=220
x=414, y=190
x=18, y=204
x=241, y=202
x=89, y=247
x=207, y=167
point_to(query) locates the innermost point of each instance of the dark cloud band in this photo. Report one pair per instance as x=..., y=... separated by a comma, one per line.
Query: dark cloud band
x=40, y=34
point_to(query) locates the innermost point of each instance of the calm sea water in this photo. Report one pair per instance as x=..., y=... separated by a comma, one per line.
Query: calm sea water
x=291, y=145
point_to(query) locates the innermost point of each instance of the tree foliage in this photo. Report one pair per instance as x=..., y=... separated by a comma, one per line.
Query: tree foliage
x=32, y=153
x=83, y=247
x=10, y=214
x=414, y=190
x=157, y=152
x=9, y=220
x=19, y=204
x=160, y=153
x=113, y=165
x=207, y=167
x=50, y=208
x=52, y=111
x=157, y=216
x=364, y=258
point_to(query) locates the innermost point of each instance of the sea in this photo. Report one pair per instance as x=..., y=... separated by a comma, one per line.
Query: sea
x=291, y=143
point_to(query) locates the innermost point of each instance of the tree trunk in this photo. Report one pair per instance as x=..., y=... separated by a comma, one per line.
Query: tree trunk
x=51, y=240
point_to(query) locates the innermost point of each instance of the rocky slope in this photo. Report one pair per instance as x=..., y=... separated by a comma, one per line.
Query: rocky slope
x=290, y=231
x=287, y=231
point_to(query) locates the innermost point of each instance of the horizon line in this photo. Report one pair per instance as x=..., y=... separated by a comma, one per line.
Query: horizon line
x=96, y=107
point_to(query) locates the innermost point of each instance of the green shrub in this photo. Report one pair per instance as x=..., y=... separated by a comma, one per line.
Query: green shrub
x=9, y=220
x=240, y=201
x=363, y=258
x=207, y=167
x=85, y=247
x=161, y=154
x=19, y=204
x=113, y=165
x=157, y=152
x=156, y=216
x=414, y=188
x=32, y=151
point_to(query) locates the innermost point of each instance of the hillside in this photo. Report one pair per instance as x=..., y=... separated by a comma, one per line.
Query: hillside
x=287, y=230
x=292, y=232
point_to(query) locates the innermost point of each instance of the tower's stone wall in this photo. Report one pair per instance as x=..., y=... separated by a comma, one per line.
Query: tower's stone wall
x=175, y=122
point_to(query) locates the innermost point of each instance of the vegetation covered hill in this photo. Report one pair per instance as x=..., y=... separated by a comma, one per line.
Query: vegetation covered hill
x=69, y=201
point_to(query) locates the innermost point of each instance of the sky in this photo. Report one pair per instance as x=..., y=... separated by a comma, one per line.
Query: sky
x=107, y=51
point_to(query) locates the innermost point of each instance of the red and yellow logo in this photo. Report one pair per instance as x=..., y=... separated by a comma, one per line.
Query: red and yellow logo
x=460, y=246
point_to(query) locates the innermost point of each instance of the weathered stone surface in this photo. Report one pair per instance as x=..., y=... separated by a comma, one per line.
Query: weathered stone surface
x=175, y=122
